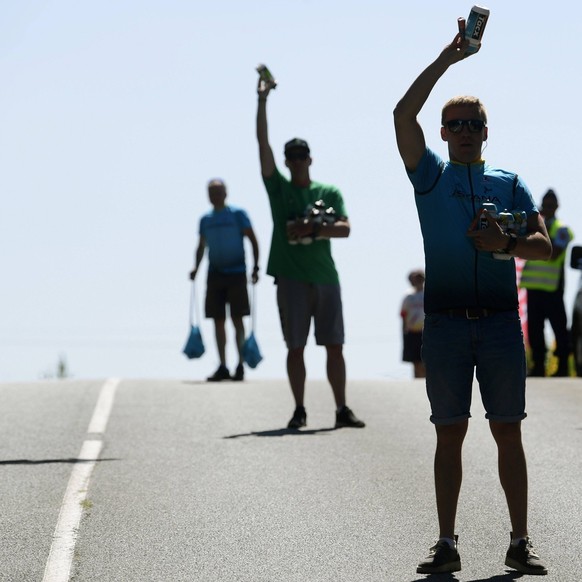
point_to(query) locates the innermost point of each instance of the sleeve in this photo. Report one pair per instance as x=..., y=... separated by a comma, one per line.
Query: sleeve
x=523, y=198
x=336, y=200
x=243, y=219
x=274, y=183
x=562, y=237
x=425, y=177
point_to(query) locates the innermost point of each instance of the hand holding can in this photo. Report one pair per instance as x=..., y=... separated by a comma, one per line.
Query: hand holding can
x=266, y=76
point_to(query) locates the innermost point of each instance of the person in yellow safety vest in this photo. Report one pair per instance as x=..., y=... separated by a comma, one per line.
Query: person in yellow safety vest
x=544, y=281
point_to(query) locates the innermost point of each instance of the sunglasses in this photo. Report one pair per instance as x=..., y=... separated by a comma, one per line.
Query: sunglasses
x=296, y=156
x=456, y=125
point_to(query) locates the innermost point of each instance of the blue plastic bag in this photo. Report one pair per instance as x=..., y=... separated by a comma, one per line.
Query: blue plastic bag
x=194, y=347
x=250, y=351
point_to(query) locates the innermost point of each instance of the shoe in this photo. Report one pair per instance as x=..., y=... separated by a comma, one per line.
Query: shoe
x=221, y=374
x=524, y=559
x=441, y=558
x=239, y=374
x=298, y=419
x=345, y=417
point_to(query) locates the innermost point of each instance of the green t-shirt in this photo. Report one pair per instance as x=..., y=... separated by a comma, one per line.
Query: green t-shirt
x=312, y=263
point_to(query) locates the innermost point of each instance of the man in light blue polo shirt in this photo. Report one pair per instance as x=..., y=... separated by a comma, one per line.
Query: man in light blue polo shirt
x=222, y=231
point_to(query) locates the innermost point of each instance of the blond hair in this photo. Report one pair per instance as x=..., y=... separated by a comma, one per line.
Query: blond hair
x=466, y=100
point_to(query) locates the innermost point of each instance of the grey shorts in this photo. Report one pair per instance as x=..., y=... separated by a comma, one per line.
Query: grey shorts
x=299, y=302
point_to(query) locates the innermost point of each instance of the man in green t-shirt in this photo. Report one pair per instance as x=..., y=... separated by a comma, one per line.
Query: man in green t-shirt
x=306, y=215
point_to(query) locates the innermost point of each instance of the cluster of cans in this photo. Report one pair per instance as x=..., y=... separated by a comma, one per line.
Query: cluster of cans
x=316, y=214
x=514, y=221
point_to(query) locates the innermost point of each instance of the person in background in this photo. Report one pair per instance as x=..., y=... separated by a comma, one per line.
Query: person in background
x=222, y=231
x=412, y=313
x=300, y=260
x=544, y=281
x=472, y=323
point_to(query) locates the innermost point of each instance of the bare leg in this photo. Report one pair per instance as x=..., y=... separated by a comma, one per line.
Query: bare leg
x=512, y=472
x=239, y=328
x=296, y=373
x=336, y=373
x=419, y=371
x=448, y=473
x=220, y=334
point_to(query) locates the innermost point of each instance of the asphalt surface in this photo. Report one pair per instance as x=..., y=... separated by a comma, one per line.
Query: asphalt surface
x=203, y=482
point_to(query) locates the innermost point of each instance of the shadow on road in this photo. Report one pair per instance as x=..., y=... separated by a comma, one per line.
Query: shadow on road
x=280, y=432
x=51, y=461
x=508, y=577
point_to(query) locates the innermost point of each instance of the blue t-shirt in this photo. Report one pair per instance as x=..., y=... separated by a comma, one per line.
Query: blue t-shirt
x=223, y=231
x=448, y=197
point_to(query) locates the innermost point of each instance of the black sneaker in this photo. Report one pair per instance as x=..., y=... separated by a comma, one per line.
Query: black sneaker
x=524, y=559
x=239, y=374
x=221, y=374
x=345, y=417
x=441, y=558
x=298, y=419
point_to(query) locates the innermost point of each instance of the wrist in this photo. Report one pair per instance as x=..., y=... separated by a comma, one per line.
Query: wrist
x=316, y=229
x=511, y=242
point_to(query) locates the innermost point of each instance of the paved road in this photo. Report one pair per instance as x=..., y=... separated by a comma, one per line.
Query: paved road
x=201, y=482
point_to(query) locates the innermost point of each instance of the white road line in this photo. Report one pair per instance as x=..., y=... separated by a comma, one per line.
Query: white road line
x=102, y=410
x=58, y=566
x=60, y=559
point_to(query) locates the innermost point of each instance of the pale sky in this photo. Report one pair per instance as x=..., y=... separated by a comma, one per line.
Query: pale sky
x=114, y=115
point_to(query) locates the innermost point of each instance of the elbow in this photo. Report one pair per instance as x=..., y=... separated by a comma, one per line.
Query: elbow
x=400, y=113
x=397, y=110
x=342, y=228
x=548, y=251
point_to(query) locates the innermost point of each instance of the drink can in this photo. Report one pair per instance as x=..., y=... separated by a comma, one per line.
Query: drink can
x=266, y=75
x=475, y=27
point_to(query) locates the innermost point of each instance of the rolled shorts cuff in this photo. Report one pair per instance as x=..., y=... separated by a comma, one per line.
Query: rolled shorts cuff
x=508, y=419
x=450, y=420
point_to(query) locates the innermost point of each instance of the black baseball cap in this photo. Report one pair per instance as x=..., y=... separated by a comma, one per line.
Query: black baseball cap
x=296, y=143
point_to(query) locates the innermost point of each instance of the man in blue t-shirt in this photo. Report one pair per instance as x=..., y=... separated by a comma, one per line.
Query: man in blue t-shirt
x=472, y=321
x=222, y=231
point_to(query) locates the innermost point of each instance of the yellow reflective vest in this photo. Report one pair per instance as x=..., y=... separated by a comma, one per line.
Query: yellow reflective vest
x=545, y=275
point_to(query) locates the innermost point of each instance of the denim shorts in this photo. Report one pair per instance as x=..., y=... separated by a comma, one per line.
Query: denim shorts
x=299, y=302
x=454, y=348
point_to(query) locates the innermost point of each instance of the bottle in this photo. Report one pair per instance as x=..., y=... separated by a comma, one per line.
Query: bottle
x=475, y=27
x=266, y=75
x=491, y=210
x=520, y=222
x=506, y=221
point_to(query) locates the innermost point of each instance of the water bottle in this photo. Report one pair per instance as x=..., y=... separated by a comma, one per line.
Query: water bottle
x=491, y=210
x=506, y=221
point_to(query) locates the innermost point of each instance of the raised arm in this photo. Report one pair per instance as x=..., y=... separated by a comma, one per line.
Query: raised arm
x=265, y=152
x=409, y=134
